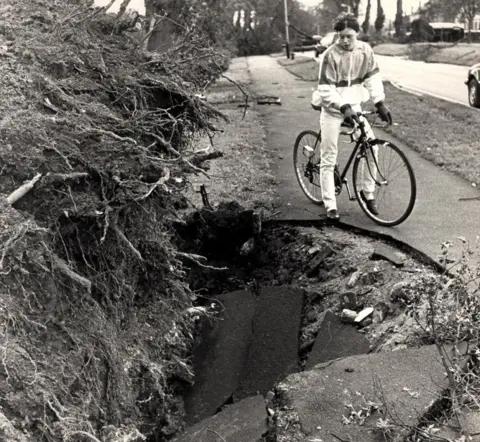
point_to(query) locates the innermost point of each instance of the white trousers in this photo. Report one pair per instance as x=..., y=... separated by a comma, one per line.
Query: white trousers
x=330, y=128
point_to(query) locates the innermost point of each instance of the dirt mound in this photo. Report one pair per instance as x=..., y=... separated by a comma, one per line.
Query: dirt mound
x=93, y=308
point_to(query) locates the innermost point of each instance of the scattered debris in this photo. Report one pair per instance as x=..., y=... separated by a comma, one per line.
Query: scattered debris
x=386, y=253
x=354, y=279
x=363, y=314
x=319, y=258
x=335, y=339
x=268, y=99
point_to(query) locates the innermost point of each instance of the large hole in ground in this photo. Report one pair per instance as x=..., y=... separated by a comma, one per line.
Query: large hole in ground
x=275, y=299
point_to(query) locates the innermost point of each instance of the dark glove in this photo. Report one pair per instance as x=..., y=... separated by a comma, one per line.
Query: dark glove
x=349, y=115
x=315, y=107
x=384, y=112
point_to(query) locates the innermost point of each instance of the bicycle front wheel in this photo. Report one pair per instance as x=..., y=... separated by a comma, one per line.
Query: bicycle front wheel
x=306, y=161
x=386, y=172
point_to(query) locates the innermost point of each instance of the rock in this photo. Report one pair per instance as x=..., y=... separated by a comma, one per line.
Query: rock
x=354, y=279
x=315, y=249
x=313, y=295
x=380, y=312
x=375, y=277
x=244, y=421
x=319, y=396
x=219, y=354
x=269, y=397
x=401, y=292
x=383, y=252
x=349, y=315
x=363, y=314
x=348, y=300
x=312, y=316
x=248, y=247
x=336, y=339
x=317, y=261
x=273, y=353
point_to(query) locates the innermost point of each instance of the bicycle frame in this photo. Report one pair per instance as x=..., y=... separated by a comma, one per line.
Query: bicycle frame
x=360, y=148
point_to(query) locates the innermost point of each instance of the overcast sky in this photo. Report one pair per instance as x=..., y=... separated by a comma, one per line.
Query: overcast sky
x=389, y=6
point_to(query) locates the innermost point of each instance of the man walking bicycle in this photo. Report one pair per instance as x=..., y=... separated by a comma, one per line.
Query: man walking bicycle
x=347, y=68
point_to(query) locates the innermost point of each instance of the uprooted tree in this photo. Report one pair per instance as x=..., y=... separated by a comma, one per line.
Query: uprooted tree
x=95, y=139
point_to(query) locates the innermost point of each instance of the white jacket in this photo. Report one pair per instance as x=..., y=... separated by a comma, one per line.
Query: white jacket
x=344, y=75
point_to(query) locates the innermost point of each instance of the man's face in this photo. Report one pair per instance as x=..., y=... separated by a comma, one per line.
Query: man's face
x=347, y=39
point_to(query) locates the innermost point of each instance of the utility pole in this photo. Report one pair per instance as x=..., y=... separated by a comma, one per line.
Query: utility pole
x=287, y=34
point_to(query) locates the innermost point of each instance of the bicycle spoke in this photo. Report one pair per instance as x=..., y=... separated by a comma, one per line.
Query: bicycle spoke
x=395, y=198
x=307, y=164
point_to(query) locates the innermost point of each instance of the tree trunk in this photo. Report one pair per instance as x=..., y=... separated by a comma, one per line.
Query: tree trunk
x=380, y=20
x=366, y=23
x=399, y=31
x=355, y=6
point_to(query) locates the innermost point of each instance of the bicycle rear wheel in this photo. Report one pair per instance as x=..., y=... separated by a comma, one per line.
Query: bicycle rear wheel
x=395, y=187
x=306, y=161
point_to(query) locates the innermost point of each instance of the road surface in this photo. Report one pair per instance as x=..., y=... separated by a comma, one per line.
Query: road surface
x=444, y=81
x=441, y=80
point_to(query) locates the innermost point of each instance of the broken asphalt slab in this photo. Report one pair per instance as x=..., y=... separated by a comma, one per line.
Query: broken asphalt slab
x=334, y=340
x=273, y=353
x=220, y=354
x=249, y=348
x=245, y=421
x=382, y=252
x=452, y=431
x=326, y=397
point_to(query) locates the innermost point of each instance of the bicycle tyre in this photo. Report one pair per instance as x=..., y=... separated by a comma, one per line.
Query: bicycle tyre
x=407, y=185
x=304, y=165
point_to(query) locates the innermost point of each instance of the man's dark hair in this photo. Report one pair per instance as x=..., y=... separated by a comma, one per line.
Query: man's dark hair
x=345, y=20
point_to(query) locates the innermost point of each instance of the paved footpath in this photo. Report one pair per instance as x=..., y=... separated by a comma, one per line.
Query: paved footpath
x=438, y=215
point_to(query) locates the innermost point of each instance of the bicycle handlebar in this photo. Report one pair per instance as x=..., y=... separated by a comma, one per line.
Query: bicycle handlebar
x=361, y=124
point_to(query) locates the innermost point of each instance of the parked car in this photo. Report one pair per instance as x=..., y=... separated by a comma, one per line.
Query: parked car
x=473, y=85
x=328, y=40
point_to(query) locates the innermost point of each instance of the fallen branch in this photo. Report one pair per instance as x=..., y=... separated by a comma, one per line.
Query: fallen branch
x=197, y=258
x=199, y=159
x=112, y=135
x=123, y=238
x=164, y=143
x=160, y=182
x=153, y=26
x=61, y=177
x=195, y=168
x=63, y=267
x=23, y=190
x=245, y=94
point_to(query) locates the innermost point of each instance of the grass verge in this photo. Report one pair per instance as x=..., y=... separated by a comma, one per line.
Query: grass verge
x=303, y=67
x=445, y=133
x=243, y=172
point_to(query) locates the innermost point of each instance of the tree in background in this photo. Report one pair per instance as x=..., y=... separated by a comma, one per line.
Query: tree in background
x=468, y=9
x=328, y=10
x=441, y=10
x=366, y=22
x=399, y=25
x=250, y=26
x=380, y=20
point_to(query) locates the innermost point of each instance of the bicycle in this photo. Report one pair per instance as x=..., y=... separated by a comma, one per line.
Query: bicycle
x=377, y=156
